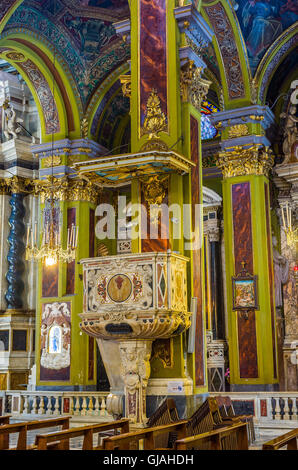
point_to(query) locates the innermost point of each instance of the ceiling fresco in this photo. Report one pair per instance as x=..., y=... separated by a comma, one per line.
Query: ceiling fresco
x=88, y=44
x=262, y=22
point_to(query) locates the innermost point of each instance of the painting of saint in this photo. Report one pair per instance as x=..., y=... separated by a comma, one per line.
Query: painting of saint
x=262, y=22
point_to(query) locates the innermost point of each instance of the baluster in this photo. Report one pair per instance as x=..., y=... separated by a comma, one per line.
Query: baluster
x=49, y=406
x=269, y=408
x=71, y=405
x=41, y=409
x=56, y=406
x=277, y=409
x=90, y=406
x=286, y=408
x=96, y=406
x=294, y=408
x=34, y=405
x=77, y=406
x=84, y=407
x=26, y=401
x=103, y=407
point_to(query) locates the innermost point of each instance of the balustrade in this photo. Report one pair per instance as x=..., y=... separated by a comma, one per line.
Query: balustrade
x=56, y=403
x=265, y=406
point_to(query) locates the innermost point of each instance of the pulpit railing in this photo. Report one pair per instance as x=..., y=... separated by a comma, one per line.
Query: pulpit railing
x=53, y=403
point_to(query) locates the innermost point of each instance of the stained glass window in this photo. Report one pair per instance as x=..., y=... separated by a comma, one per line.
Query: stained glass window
x=208, y=131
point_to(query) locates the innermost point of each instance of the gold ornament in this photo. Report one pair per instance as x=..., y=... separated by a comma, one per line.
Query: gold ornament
x=84, y=128
x=126, y=85
x=238, y=130
x=64, y=189
x=239, y=161
x=193, y=87
x=155, y=120
x=51, y=161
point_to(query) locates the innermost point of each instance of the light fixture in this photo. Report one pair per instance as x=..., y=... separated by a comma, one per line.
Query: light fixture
x=291, y=233
x=50, y=251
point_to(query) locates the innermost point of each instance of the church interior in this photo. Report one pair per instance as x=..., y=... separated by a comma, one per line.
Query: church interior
x=148, y=224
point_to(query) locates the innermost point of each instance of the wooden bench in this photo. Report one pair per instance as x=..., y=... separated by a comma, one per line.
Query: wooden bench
x=23, y=428
x=227, y=411
x=4, y=440
x=207, y=418
x=4, y=419
x=60, y=440
x=166, y=413
x=289, y=439
x=147, y=435
x=233, y=437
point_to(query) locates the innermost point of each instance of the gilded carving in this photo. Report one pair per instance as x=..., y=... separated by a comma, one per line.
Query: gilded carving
x=155, y=120
x=126, y=85
x=17, y=184
x=238, y=130
x=238, y=161
x=51, y=161
x=193, y=87
x=65, y=189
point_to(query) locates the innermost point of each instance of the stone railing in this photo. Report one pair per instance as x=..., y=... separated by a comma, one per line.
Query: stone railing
x=265, y=406
x=52, y=403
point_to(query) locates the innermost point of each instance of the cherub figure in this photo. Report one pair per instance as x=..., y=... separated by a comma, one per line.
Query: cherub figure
x=11, y=121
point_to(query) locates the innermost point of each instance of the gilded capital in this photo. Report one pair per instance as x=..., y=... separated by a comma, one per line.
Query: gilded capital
x=193, y=87
x=240, y=161
x=18, y=184
x=64, y=189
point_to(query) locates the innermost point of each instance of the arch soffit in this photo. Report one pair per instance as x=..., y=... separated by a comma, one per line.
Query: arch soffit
x=40, y=82
x=275, y=55
x=230, y=52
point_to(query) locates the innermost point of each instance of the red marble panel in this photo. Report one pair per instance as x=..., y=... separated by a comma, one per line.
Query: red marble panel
x=154, y=244
x=243, y=252
x=263, y=408
x=153, y=52
x=50, y=278
x=271, y=282
x=197, y=255
x=71, y=267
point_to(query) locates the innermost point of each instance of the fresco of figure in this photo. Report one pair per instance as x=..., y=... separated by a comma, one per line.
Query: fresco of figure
x=263, y=27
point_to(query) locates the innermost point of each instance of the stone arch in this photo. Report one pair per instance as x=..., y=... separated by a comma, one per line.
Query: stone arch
x=101, y=99
x=275, y=55
x=7, y=8
x=230, y=51
x=38, y=70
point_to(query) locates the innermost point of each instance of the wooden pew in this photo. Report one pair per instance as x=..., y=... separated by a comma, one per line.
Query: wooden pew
x=4, y=419
x=4, y=440
x=207, y=418
x=60, y=440
x=148, y=435
x=166, y=413
x=23, y=428
x=289, y=439
x=233, y=437
x=227, y=411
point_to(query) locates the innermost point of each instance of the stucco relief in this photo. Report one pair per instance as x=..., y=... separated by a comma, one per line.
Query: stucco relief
x=45, y=96
x=228, y=48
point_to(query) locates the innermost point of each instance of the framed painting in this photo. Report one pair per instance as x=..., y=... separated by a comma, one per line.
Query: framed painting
x=245, y=294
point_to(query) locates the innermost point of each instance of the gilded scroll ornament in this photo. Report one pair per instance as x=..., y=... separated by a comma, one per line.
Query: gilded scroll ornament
x=126, y=85
x=155, y=120
x=239, y=161
x=193, y=87
x=51, y=161
x=155, y=190
x=239, y=130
